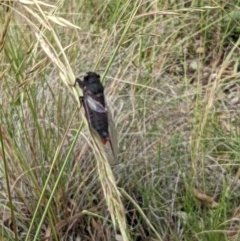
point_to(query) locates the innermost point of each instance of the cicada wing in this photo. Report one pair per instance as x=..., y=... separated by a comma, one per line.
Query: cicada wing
x=93, y=117
x=95, y=105
x=113, y=135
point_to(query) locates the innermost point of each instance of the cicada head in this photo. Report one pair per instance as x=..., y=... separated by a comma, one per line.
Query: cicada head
x=92, y=83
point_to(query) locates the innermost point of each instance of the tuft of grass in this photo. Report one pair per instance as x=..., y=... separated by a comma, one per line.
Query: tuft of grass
x=171, y=76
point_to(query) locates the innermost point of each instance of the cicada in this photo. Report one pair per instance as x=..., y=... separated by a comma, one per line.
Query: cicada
x=96, y=111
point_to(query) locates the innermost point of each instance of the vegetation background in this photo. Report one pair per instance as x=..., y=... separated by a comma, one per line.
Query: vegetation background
x=171, y=76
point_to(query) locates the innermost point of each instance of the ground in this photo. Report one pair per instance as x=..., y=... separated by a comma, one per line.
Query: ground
x=171, y=76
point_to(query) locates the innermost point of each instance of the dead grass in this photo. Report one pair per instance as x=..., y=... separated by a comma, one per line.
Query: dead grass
x=171, y=72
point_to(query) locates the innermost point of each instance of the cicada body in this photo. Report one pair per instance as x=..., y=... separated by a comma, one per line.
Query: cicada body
x=94, y=105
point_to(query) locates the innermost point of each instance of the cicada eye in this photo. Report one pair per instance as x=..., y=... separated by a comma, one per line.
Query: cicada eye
x=95, y=105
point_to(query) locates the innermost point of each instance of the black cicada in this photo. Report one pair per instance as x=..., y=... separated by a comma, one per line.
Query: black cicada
x=94, y=105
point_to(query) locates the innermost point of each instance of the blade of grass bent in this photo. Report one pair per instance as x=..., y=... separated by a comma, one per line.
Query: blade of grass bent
x=55, y=186
x=110, y=190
